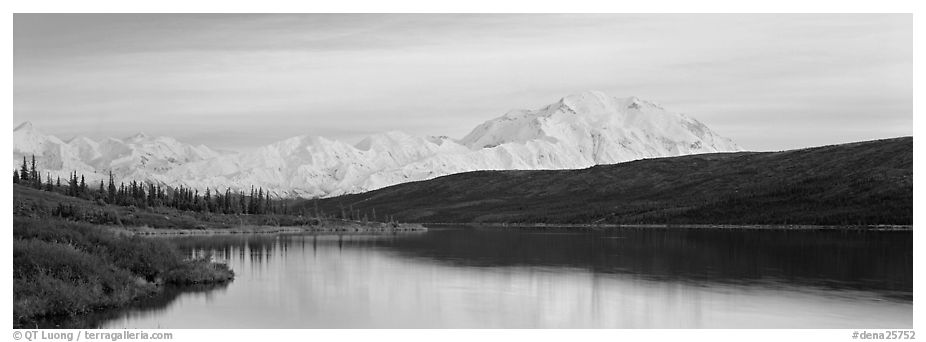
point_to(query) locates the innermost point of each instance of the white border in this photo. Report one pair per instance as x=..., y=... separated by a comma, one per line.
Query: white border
x=479, y=6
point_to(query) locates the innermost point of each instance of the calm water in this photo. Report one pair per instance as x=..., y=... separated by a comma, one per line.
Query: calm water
x=463, y=277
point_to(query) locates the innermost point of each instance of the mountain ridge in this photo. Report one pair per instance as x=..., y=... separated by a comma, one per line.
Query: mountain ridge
x=577, y=131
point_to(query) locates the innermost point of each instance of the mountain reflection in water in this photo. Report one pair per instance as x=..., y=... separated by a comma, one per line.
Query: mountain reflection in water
x=490, y=278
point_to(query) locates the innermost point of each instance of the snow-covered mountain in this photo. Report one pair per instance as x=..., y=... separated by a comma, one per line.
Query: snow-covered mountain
x=577, y=131
x=52, y=154
x=138, y=157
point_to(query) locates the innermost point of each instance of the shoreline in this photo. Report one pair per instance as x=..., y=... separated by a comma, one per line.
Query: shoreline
x=589, y=226
x=139, y=286
x=63, y=268
x=342, y=228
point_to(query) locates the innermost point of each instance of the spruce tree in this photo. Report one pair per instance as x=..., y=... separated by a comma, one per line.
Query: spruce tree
x=260, y=201
x=33, y=175
x=208, y=199
x=37, y=181
x=112, y=189
x=24, y=172
x=152, y=195
x=142, y=200
x=268, y=205
x=226, y=205
x=15, y=176
x=72, y=184
x=184, y=201
x=175, y=199
x=251, y=196
x=48, y=185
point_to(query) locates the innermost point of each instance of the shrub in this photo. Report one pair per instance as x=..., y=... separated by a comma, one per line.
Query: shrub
x=67, y=268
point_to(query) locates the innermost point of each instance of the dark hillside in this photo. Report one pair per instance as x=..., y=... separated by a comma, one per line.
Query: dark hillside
x=861, y=183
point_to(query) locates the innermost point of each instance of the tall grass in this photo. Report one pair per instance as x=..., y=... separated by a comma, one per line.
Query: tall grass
x=68, y=268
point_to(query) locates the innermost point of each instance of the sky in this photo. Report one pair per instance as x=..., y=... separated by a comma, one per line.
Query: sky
x=237, y=82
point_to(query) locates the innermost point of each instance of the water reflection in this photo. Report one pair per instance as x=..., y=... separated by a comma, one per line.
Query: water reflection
x=880, y=261
x=142, y=309
x=629, y=278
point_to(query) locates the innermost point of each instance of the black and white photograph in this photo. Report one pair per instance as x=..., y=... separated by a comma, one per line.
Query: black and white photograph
x=462, y=171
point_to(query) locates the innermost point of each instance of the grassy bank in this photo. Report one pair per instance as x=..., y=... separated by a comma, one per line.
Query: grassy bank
x=65, y=268
x=330, y=226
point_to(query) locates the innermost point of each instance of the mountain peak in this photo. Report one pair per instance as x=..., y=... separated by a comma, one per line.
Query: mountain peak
x=597, y=101
x=637, y=103
x=588, y=104
x=611, y=128
x=590, y=97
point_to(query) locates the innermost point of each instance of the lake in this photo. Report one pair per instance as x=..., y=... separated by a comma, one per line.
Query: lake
x=459, y=277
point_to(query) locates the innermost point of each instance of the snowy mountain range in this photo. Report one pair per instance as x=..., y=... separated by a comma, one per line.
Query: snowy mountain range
x=577, y=131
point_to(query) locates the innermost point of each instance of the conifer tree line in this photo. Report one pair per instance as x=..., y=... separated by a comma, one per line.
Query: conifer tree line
x=144, y=195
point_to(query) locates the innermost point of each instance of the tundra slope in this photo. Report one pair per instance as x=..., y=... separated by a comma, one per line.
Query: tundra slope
x=865, y=183
x=577, y=131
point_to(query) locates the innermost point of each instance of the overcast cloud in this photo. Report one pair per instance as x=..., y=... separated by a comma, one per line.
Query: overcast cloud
x=770, y=82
